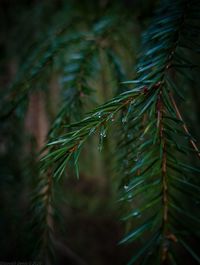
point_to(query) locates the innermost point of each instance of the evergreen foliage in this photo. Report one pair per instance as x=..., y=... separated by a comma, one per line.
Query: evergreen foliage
x=157, y=166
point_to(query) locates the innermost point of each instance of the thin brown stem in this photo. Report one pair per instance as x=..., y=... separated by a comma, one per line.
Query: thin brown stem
x=184, y=125
x=160, y=110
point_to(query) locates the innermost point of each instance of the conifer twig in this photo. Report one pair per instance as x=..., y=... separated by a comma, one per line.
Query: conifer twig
x=184, y=125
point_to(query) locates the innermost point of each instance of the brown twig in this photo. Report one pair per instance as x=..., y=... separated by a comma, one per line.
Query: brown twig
x=160, y=110
x=184, y=125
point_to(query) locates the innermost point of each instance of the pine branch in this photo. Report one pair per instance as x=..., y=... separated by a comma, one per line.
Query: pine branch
x=71, y=143
x=154, y=147
x=42, y=205
x=76, y=74
x=162, y=56
x=160, y=157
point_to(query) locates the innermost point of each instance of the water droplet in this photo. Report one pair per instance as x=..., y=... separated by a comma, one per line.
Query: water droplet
x=92, y=131
x=99, y=114
x=125, y=187
x=100, y=146
x=111, y=117
x=102, y=136
x=103, y=132
x=124, y=119
x=136, y=213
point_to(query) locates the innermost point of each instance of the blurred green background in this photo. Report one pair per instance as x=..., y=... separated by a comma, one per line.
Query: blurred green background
x=88, y=226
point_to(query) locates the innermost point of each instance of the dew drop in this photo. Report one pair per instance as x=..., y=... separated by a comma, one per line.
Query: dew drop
x=124, y=119
x=103, y=132
x=92, y=131
x=125, y=187
x=99, y=114
x=100, y=147
x=111, y=117
x=137, y=213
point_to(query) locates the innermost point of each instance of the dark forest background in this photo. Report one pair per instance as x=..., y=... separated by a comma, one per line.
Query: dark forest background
x=87, y=225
